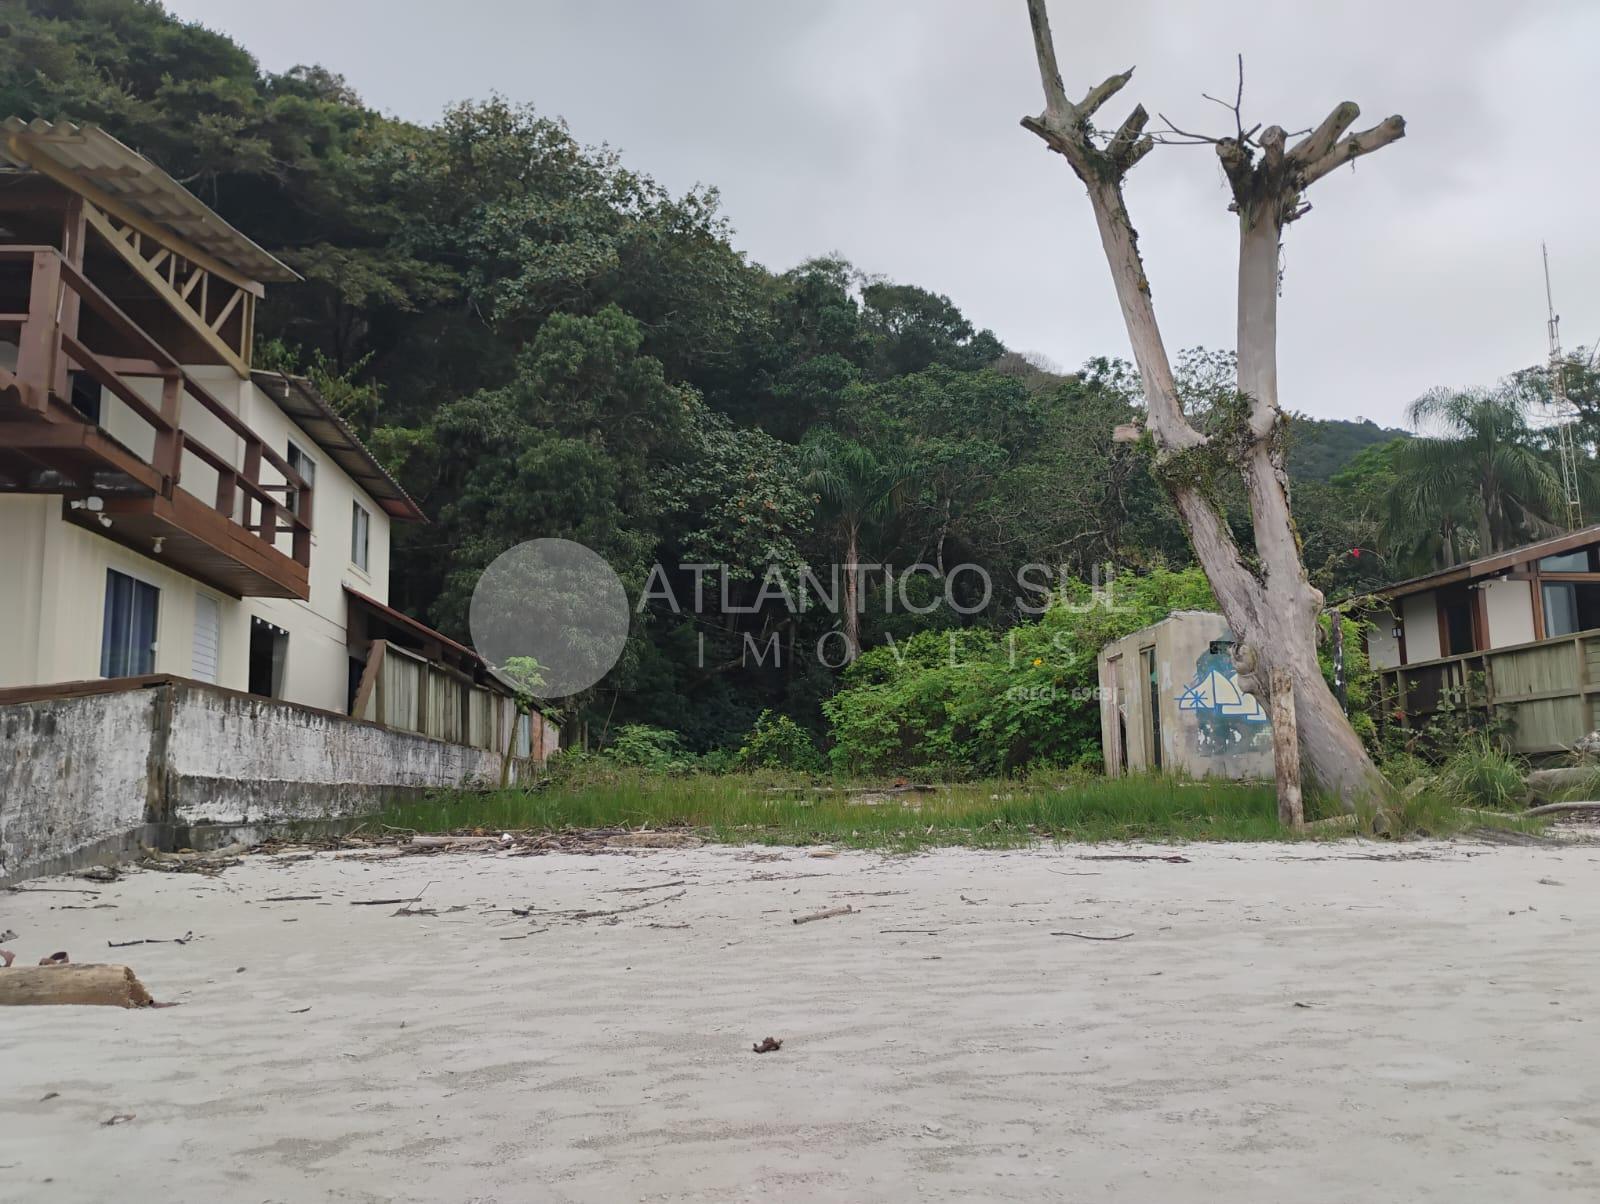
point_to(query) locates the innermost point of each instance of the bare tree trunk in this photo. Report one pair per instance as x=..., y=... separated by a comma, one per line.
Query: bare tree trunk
x=1286, y=753
x=1268, y=600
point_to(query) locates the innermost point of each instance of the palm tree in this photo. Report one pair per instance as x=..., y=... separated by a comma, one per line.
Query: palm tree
x=856, y=489
x=1481, y=484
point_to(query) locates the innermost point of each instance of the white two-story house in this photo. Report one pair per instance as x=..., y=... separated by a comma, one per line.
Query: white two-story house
x=164, y=508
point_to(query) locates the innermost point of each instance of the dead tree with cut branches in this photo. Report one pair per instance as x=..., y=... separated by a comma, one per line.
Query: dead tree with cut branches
x=1266, y=596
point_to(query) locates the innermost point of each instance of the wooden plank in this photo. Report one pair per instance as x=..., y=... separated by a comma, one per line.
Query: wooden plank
x=369, y=678
x=115, y=385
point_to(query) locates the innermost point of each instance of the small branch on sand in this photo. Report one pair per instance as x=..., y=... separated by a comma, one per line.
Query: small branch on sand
x=390, y=902
x=624, y=890
x=617, y=911
x=154, y=940
x=824, y=915
x=1089, y=936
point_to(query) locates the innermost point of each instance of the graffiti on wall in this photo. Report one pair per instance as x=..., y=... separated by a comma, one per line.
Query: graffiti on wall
x=1227, y=720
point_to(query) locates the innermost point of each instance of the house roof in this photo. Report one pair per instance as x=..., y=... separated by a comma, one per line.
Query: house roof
x=91, y=162
x=1488, y=566
x=299, y=399
x=416, y=627
x=397, y=618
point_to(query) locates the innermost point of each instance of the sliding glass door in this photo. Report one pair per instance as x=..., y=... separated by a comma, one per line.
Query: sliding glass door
x=128, y=632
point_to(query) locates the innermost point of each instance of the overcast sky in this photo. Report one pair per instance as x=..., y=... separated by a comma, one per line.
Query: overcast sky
x=887, y=130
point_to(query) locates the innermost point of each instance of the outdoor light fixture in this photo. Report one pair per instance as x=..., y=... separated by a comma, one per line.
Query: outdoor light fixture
x=155, y=549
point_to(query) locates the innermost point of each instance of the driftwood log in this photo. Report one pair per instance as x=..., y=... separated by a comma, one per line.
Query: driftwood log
x=1573, y=805
x=106, y=986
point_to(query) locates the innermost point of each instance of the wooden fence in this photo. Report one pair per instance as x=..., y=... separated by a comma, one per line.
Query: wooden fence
x=400, y=689
x=1548, y=691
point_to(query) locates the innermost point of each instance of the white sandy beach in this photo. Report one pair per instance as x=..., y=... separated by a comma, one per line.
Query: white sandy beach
x=1449, y=1046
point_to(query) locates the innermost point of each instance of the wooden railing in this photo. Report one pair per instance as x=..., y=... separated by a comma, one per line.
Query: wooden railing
x=48, y=346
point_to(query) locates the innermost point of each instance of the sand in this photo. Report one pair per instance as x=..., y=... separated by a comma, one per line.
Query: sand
x=1314, y=1023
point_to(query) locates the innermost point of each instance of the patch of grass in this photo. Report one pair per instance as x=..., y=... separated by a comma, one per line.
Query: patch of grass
x=1480, y=773
x=771, y=809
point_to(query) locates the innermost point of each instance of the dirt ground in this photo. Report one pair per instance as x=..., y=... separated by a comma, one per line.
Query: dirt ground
x=1312, y=1023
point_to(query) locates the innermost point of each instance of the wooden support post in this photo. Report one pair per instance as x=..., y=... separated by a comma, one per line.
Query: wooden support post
x=73, y=233
x=227, y=489
x=1286, y=751
x=38, y=343
x=268, y=530
x=250, y=471
x=302, y=535
x=169, y=440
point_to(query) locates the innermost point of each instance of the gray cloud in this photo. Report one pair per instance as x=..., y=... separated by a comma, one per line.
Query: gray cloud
x=888, y=131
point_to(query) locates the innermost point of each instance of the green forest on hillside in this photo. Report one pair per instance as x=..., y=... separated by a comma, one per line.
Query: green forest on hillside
x=541, y=341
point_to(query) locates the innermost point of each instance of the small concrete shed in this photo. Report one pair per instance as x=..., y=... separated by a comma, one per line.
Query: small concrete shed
x=1170, y=703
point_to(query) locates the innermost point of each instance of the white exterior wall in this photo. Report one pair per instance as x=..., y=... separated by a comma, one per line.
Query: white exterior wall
x=1420, y=617
x=1383, y=650
x=1509, y=605
x=64, y=580
x=52, y=592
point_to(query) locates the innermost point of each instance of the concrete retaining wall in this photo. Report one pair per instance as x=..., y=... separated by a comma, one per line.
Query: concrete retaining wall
x=78, y=778
x=175, y=763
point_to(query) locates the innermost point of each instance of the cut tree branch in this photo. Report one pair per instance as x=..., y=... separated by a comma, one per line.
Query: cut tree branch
x=1320, y=141
x=1349, y=149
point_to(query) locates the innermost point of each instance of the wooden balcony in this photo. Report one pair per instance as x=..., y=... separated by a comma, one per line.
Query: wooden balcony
x=75, y=345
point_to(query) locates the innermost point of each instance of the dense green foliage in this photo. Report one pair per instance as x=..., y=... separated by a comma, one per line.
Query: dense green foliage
x=980, y=702
x=541, y=341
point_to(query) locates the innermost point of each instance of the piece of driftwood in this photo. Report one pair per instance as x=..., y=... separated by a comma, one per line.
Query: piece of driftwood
x=824, y=915
x=617, y=911
x=153, y=940
x=629, y=890
x=108, y=986
x=1573, y=805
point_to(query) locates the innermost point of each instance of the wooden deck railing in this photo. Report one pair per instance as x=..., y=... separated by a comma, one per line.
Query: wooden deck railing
x=48, y=347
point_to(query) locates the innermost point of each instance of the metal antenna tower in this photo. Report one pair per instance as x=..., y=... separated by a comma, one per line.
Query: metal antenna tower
x=1560, y=410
